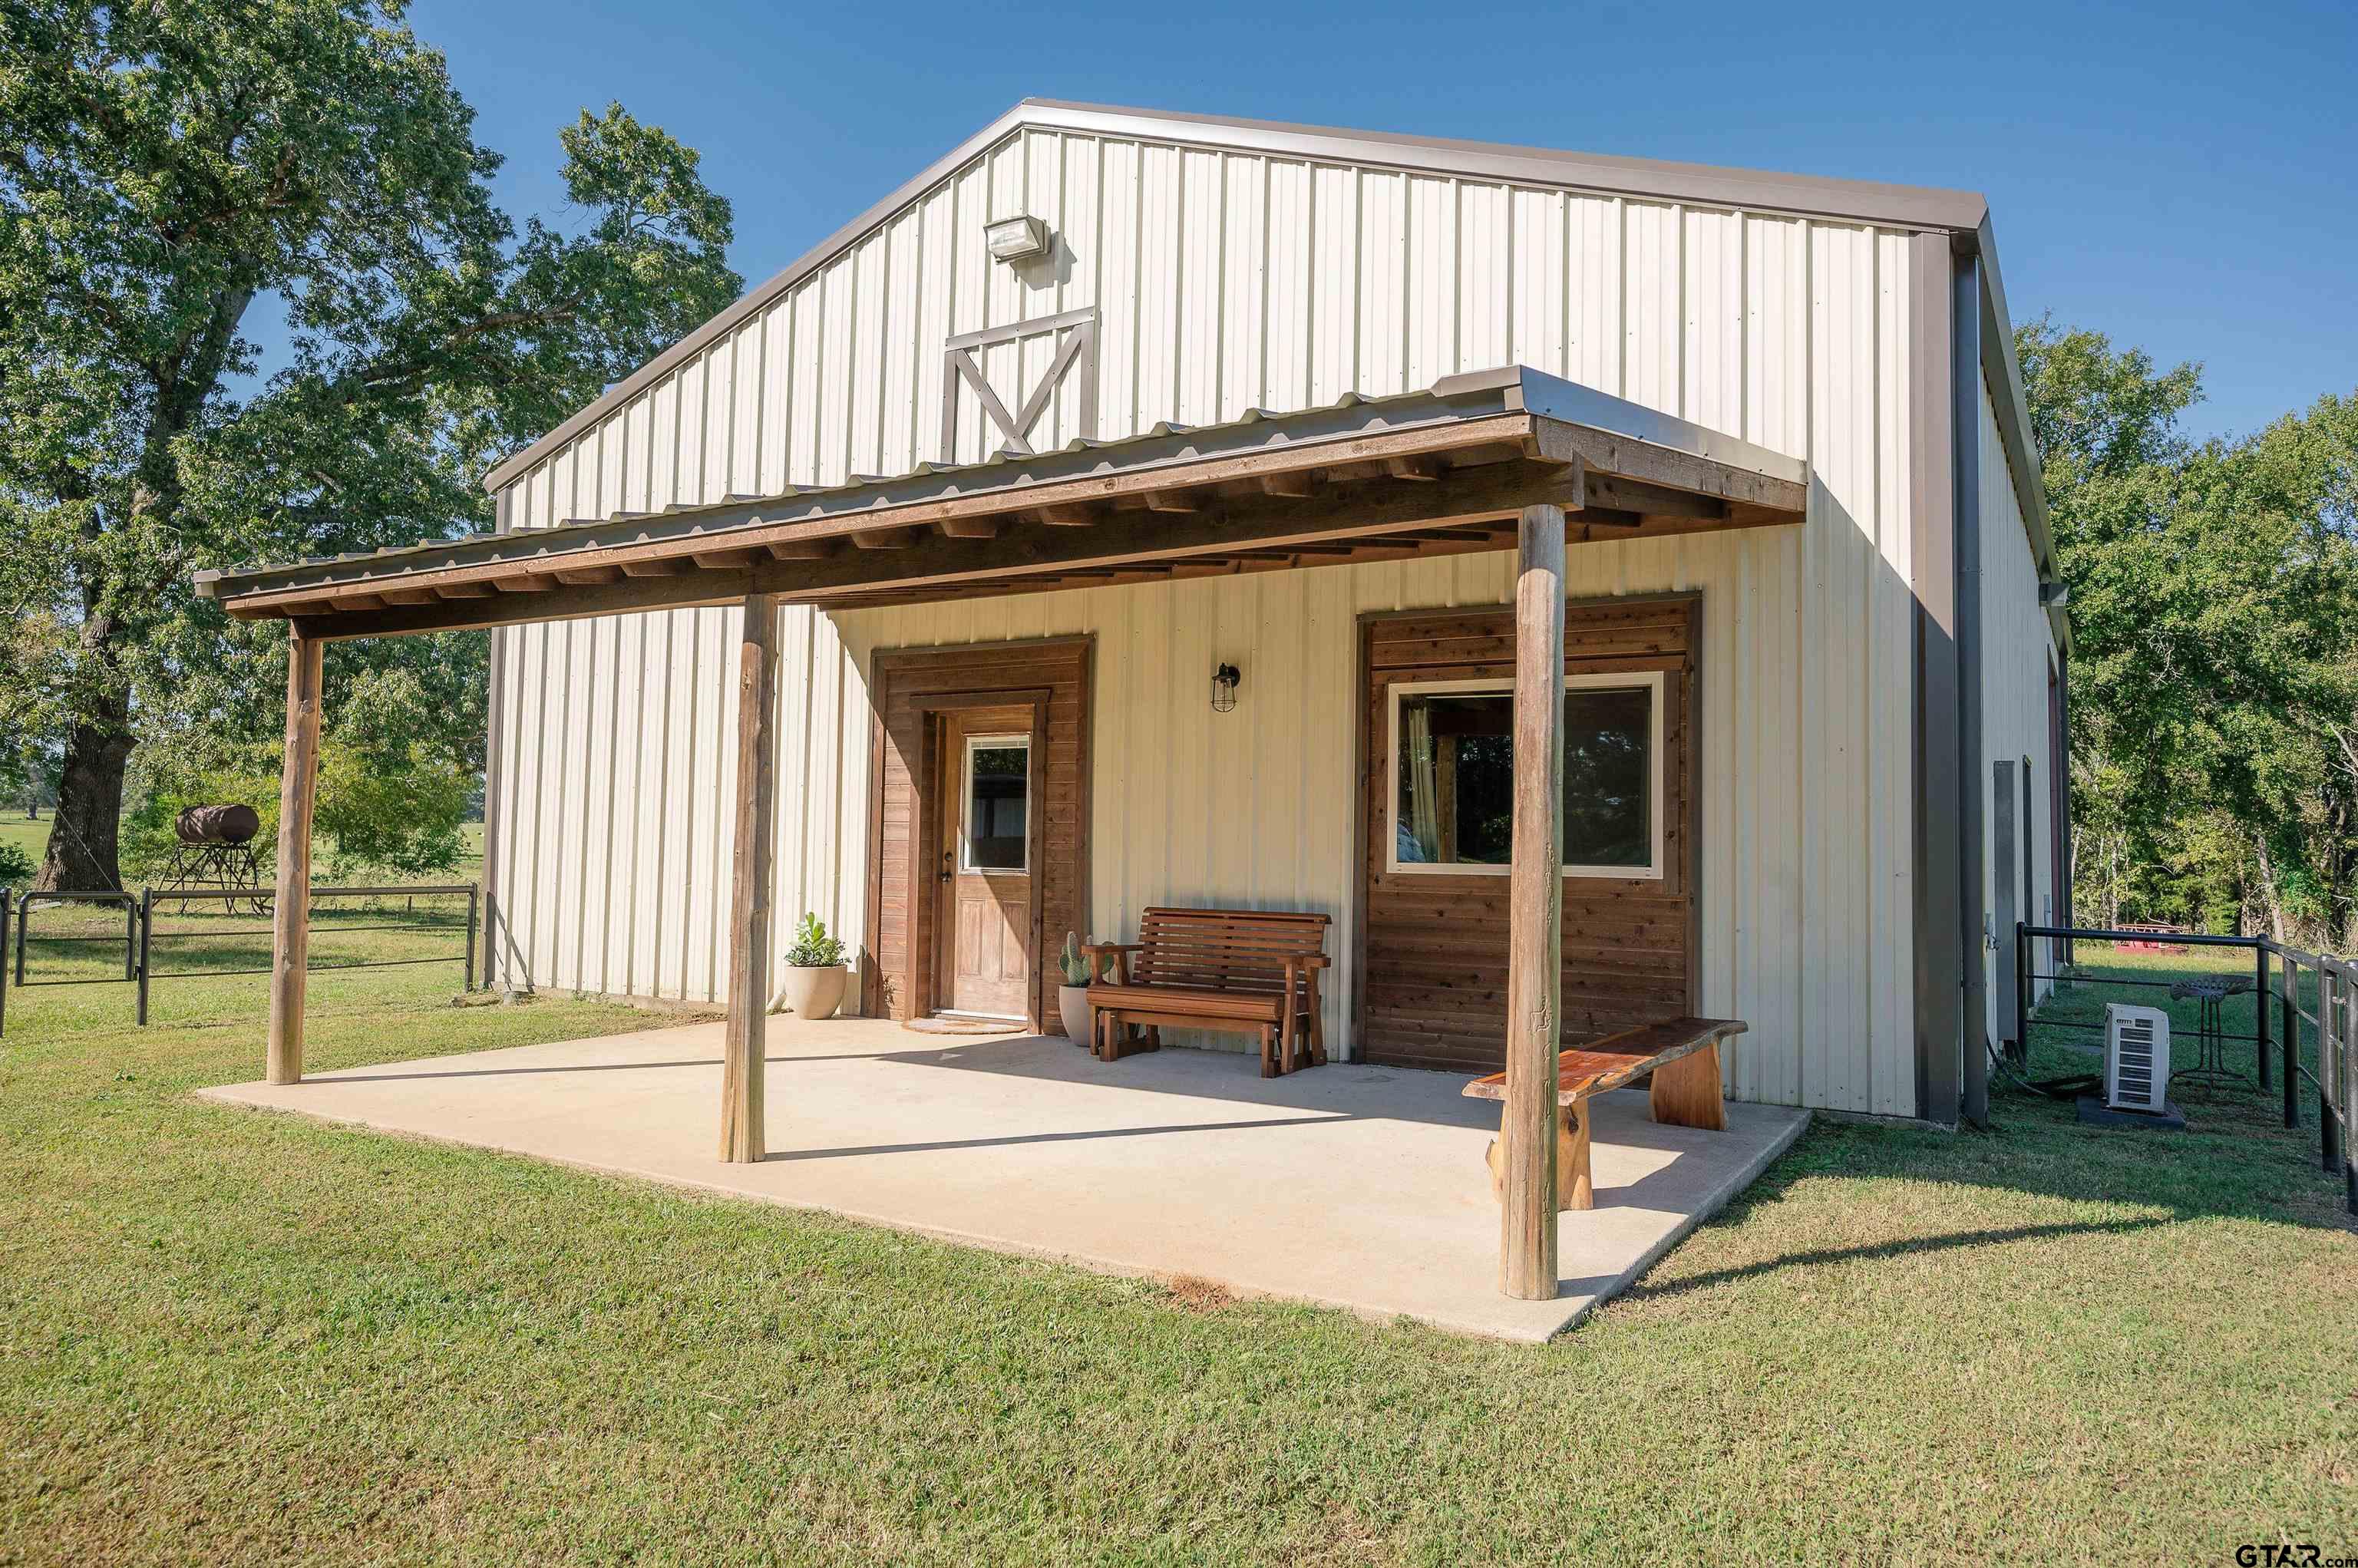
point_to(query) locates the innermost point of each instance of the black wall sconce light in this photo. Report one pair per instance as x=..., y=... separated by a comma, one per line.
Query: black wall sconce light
x=1225, y=681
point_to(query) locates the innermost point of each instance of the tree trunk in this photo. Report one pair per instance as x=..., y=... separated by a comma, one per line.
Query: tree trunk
x=2271, y=899
x=85, y=829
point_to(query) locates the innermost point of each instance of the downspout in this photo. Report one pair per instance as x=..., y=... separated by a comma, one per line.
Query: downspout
x=1977, y=942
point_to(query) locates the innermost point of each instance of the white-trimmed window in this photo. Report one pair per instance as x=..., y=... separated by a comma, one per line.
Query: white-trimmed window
x=1453, y=776
x=997, y=789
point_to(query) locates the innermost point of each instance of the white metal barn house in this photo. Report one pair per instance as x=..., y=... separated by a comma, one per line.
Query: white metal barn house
x=1106, y=403
x=1215, y=271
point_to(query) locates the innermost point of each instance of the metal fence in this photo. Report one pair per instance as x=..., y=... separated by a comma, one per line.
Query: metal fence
x=2332, y=1025
x=140, y=938
x=2335, y=1023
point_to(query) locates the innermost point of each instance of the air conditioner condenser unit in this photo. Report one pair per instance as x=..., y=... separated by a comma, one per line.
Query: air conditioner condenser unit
x=2136, y=1058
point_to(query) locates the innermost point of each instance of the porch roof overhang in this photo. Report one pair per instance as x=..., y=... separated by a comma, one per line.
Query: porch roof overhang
x=1442, y=472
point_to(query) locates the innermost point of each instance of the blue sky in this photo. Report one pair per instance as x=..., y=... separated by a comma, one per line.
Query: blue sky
x=2184, y=178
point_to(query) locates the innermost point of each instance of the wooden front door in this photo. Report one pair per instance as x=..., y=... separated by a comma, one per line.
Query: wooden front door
x=985, y=796
x=1041, y=688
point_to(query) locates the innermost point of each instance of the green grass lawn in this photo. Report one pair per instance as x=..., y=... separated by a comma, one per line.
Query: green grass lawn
x=227, y=1336
x=26, y=834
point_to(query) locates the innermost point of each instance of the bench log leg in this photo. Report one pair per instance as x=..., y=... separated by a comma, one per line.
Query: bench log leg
x=1686, y=1092
x=1116, y=1037
x=1575, y=1185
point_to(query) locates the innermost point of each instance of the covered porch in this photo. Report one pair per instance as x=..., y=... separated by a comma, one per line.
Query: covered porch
x=1351, y=1187
x=1499, y=461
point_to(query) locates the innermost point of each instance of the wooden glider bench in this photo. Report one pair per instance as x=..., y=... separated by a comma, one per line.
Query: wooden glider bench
x=1681, y=1052
x=1235, y=970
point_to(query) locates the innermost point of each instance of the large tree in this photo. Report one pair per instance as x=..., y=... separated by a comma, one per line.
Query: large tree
x=2215, y=611
x=166, y=170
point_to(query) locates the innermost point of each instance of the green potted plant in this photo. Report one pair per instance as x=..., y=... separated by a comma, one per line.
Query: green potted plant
x=1073, y=996
x=815, y=972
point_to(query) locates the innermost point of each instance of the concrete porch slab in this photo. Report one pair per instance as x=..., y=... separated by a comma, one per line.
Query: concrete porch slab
x=1350, y=1186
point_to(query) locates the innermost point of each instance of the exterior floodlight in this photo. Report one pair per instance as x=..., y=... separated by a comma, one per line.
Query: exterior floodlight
x=1016, y=239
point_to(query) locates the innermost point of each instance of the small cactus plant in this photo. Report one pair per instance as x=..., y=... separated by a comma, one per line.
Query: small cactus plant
x=1074, y=962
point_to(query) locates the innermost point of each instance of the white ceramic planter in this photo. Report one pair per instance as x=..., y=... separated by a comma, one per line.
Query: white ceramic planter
x=813, y=993
x=1073, y=1005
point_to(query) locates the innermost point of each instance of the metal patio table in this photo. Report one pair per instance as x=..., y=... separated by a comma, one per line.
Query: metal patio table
x=2207, y=993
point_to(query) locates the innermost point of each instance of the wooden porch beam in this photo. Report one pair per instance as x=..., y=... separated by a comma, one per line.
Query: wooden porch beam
x=1527, y=1126
x=1377, y=508
x=1647, y=464
x=743, y=1137
x=299, y=787
x=1440, y=458
x=1606, y=490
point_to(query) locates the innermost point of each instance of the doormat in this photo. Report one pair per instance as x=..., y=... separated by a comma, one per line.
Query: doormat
x=963, y=1026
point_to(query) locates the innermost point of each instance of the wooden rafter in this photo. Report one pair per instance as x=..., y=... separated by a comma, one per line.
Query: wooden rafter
x=1381, y=495
x=1027, y=553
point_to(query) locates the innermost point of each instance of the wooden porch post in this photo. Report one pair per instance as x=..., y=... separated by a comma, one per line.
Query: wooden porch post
x=299, y=787
x=1527, y=1126
x=742, y=1137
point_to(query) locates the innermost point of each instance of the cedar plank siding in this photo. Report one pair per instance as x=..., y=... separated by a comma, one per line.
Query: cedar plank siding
x=1433, y=985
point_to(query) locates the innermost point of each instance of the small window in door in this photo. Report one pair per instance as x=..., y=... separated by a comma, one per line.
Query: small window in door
x=997, y=791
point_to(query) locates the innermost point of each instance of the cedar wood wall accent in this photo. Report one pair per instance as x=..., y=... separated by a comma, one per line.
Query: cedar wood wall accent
x=1433, y=983
x=897, y=970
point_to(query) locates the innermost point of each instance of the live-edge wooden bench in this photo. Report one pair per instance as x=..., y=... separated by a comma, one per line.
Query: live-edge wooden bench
x=1681, y=1052
x=1246, y=971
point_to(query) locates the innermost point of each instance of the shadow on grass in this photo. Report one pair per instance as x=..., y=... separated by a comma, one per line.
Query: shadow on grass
x=1907, y=1246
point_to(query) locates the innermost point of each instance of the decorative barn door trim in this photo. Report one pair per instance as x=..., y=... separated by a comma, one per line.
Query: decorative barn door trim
x=1076, y=347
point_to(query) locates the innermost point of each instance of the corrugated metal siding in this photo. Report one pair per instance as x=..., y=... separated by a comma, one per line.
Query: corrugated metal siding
x=1226, y=281
x=2018, y=650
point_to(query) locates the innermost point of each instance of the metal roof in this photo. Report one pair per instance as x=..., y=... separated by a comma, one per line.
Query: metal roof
x=1452, y=401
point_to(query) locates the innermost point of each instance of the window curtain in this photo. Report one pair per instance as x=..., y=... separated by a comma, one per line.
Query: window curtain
x=1425, y=811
